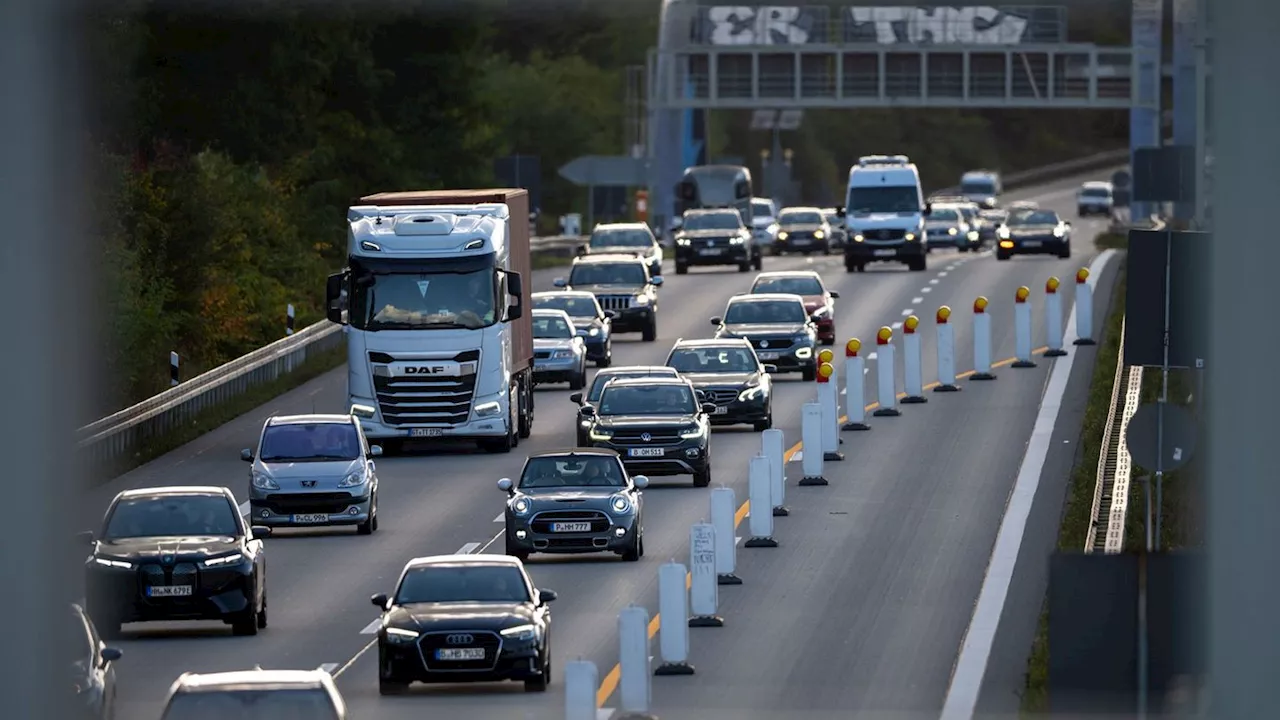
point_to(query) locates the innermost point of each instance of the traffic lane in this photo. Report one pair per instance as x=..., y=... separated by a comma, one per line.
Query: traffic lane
x=863, y=605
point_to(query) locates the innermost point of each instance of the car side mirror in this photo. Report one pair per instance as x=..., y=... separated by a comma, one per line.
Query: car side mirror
x=559, y=282
x=110, y=654
x=834, y=295
x=928, y=209
x=587, y=411
x=814, y=318
x=505, y=485
x=375, y=451
x=717, y=321
x=656, y=281
x=640, y=481
x=576, y=398
x=246, y=455
x=581, y=250
x=708, y=408
x=85, y=537
x=379, y=601
x=333, y=297
x=840, y=212
x=259, y=532
x=547, y=596
x=771, y=368
x=611, y=314
x=1067, y=223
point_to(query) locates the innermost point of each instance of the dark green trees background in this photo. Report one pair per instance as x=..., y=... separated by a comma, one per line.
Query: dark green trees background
x=228, y=144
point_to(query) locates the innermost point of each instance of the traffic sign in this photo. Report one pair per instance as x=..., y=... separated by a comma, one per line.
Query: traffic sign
x=606, y=170
x=1179, y=437
x=790, y=119
x=776, y=119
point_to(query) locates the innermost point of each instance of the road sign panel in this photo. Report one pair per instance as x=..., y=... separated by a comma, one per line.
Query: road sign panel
x=611, y=170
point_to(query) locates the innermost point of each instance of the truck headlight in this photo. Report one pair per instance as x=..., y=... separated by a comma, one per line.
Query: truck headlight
x=489, y=409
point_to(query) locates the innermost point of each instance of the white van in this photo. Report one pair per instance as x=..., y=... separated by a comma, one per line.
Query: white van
x=884, y=213
x=982, y=187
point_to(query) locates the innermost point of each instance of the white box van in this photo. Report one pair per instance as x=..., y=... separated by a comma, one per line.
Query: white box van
x=982, y=187
x=884, y=213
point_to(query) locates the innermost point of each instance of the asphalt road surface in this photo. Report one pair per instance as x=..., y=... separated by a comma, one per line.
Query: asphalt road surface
x=860, y=611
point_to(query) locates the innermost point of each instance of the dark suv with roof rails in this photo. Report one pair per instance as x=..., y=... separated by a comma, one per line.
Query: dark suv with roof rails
x=657, y=426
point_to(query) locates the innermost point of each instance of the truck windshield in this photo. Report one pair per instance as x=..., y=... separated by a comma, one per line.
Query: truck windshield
x=424, y=301
x=255, y=704
x=884, y=199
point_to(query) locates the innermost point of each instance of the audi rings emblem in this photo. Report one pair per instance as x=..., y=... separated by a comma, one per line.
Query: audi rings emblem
x=460, y=639
x=646, y=437
x=764, y=343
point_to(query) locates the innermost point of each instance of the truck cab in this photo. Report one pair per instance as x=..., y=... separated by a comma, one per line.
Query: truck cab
x=885, y=214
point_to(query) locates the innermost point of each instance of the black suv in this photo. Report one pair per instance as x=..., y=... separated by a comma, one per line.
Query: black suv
x=728, y=374
x=622, y=285
x=635, y=239
x=715, y=237
x=657, y=425
x=777, y=326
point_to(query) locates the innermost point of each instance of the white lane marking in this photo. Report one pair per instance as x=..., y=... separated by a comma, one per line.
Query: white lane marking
x=896, y=326
x=372, y=628
x=244, y=508
x=491, y=541
x=347, y=665
x=926, y=290
x=798, y=456
x=737, y=539
x=604, y=713
x=499, y=518
x=871, y=356
x=468, y=548
x=917, y=300
x=933, y=281
x=975, y=651
x=942, y=274
x=329, y=667
x=908, y=312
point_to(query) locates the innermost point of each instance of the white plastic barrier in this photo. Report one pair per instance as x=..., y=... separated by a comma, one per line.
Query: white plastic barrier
x=887, y=389
x=1022, y=328
x=704, y=590
x=723, y=508
x=673, y=634
x=855, y=387
x=811, y=446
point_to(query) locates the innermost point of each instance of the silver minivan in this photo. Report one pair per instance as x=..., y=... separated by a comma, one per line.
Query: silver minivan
x=255, y=695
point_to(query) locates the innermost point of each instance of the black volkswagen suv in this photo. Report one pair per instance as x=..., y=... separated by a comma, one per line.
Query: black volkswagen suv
x=715, y=237
x=621, y=284
x=777, y=326
x=657, y=425
x=730, y=375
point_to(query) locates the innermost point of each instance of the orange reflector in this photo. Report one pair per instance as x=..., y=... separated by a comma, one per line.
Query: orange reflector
x=910, y=324
x=884, y=335
x=1022, y=294
x=825, y=371
x=1082, y=275
x=826, y=356
x=852, y=347
x=1051, y=285
x=944, y=314
x=980, y=305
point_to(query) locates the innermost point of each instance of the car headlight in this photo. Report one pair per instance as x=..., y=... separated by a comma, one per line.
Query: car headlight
x=223, y=560
x=354, y=479
x=750, y=393
x=782, y=235
x=1002, y=233
x=952, y=231
x=619, y=504
x=400, y=635
x=112, y=563
x=804, y=353
x=909, y=237
x=972, y=235
x=1059, y=232
x=824, y=310
x=262, y=481
x=562, y=354
x=640, y=300
x=858, y=238
x=520, y=632
x=593, y=331
x=690, y=433
x=818, y=234
x=489, y=408
x=521, y=506
x=598, y=434
x=736, y=240
x=682, y=241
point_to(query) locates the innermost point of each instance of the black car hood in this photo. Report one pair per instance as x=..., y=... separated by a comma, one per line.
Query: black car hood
x=701, y=380
x=611, y=289
x=699, y=234
x=157, y=548
x=428, y=617
x=643, y=421
x=749, y=329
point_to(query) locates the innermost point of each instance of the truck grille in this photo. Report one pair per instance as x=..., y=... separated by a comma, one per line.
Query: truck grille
x=615, y=302
x=424, y=401
x=541, y=523
x=430, y=642
x=324, y=502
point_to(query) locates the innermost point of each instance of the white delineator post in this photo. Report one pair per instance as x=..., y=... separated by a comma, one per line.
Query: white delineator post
x=912, y=370
x=635, y=685
x=1022, y=328
x=810, y=446
x=673, y=633
x=174, y=374
x=759, y=517
x=1084, y=309
x=581, y=680
x=704, y=590
x=946, y=352
x=1053, y=318
x=981, y=341
x=773, y=446
x=829, y=403
x=887, y=389
x=723, y=507
x=855, y=387
x=288, y=319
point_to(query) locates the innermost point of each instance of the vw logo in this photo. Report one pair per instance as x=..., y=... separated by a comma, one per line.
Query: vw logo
x=764, y=343
x=646, y=437
x=460, y=639
x=167, y=559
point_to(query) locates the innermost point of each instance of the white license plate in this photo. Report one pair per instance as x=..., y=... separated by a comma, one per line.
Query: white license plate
x=169, y=591
x=571, y=527
x=886, y=253
x=710, y=251
x=460, y=654
x=646, y=452
x=721, y=410
x=767, y=355
x=1031, y=243
x=426, y=432
x=311, y=518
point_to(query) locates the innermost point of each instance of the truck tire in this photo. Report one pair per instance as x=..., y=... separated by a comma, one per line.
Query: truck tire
x=651, y=330
x=525, y=417
x=512, y=439
x=758, y=262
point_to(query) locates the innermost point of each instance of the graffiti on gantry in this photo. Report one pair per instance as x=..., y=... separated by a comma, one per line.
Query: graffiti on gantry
x=892, y=25
x=935, y=26
x=765, y=25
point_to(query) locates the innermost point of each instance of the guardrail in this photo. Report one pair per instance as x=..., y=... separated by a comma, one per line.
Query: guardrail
x=1115, y=467
x=123, y=434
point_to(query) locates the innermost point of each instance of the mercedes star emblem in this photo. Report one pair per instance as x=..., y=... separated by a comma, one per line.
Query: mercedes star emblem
x=460, y=639
x=646, y=437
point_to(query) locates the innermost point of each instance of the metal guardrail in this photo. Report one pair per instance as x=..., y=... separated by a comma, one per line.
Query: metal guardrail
x=125, y=433
x=1115, y=466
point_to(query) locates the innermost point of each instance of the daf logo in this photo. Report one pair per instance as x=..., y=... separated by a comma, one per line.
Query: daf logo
x=646, y=437
x=764, y=343
x=424, y=369
x=460, y=639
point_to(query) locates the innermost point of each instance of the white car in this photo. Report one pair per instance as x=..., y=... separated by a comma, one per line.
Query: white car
x=1095, y=198
x=764, y=223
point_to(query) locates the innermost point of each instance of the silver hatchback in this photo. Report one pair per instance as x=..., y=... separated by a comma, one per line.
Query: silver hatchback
x=314, y=470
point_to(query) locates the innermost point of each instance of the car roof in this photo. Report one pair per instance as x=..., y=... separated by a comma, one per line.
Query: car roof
x=312, y=419
x=622, y=226
x=566, y=293
x=765, y=297
x=800, y=208
x=618, y=369
x=646, y=381
x=609, y=258
x=710, y=211
x=456, y=559
x=253, y=679
x=788, y=273
x=575, y=451
x=550, y=312
x=1097, y=184
x=711, y=342
x=175, y=490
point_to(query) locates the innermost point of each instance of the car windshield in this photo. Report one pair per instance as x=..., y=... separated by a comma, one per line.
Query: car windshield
x=799, y=217
x=790, y=285
x=575, y=471
x=608, y=274
x=978, y=187
x=310, y=442
x=712, y=221
x=764, y=312
x=171, y=516
x=866, y=200
x=830, y=216
x=761, y=209
x=736, y=359
x=252, y=704
x=1096, y=192
x=462, y=584
x=621, y=238
x=1034, y=217
x=969, y=213
x=602, y=378
x=944, y=215
x=665, y=399
x=578, y=307
x=550, y=327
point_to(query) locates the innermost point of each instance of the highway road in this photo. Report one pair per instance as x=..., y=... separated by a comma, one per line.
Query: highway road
x=862, y=609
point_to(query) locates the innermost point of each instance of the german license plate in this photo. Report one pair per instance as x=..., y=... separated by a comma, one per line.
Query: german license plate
x=1031, y=243
x=571, y=527
x=709, y=251
x=169, y=591
x=721, y=410
x=426, y=432
x=768, y=355
x=886, y=253
x=645, y=452
x=311, y=518
x=460, y=654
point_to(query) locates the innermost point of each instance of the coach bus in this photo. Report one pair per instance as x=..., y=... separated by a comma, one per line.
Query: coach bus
x=716, y=186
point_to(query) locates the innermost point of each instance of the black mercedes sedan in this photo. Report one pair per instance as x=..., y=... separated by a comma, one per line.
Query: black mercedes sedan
x=464, y=618
x=176, y=553
x=778, y=326
x=658, y=426
x=729, y=375
x=579, y=500
x=1033, y=232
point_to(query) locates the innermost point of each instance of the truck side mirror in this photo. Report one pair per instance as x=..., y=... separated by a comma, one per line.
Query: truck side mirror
x=333, y=298
x=515, y=289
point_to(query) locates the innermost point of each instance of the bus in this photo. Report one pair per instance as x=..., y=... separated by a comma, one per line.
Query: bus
x=716, y=186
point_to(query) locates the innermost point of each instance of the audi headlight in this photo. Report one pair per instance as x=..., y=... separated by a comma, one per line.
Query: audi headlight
x=521, y=506
x=400, y=635
x=520, y=632
x=262, y=481
x=819, y=234
x=598, y=434
x=750, y=393
x=910, y=236
x=489, y=409
x=223, y=560
x=619, y=504
x=641, y=300
x=562, y=354
x=1059, y=232
x=111, y=563
x=354, y=479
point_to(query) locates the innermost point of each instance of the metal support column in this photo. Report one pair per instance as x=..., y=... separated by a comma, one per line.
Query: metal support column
x=1144, y=117
x=1185, y=98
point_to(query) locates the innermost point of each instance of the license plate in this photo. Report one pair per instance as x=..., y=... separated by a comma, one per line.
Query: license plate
x=311, y=518
x=1031, y=243
x=646, y=452
x=169, y=591
x=768, y=355
x=709, y=251
x=460, y=654
x=886, y=253
x=426, y=432
x=721, y=410
x=571, y=527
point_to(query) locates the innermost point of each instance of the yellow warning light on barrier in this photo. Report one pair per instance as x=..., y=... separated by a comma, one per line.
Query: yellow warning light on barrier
x=1051, y=285
x=826, y=356
x=884, y=335
x=944, y=314
x=1082, y=275
x=910, y=324
x=980, y=305
x=1022, y=294
x=825, y=371
x=852, y=347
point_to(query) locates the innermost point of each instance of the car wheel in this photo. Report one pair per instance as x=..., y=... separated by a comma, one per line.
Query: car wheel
x=703, y=477
x=650, y=331
x=632, y=553
x=809, y=374
x=540, y=683
x=245, y=623
x=517, y=553
x=682, y=269
x=758, y=262
x=744, y=266
x=1002, y=256
x=368, y=526
x=262, y=613
x=764, y=424
x=1066, y=252
x=579, y=379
